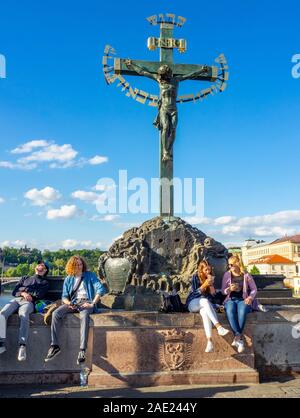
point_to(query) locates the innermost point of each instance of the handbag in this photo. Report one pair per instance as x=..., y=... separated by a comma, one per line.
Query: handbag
x=49, y=309
x=53, y=306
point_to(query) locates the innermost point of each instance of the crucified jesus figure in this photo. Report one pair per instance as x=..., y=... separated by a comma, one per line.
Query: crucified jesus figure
x=167, y=118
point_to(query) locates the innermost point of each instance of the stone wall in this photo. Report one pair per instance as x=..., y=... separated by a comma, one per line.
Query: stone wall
x=150, y=348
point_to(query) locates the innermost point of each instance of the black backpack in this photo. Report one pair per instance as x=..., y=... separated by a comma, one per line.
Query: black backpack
x=172, y=303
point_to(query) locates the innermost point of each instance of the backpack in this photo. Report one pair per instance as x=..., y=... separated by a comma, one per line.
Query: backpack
x=172, y=303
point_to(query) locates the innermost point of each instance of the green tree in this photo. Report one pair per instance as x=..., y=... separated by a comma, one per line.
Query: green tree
x=254, y=270
x=22, y=270
x=10, y=272
x=60, y=264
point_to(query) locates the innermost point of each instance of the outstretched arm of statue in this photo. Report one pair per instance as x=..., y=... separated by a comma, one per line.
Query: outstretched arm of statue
x=140, y=70
x=203, y=71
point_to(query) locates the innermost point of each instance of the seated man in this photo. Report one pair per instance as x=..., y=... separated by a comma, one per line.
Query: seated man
x=81, y=292
x=26, y=292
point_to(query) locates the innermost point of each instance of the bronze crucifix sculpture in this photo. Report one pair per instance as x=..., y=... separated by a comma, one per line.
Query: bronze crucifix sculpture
x=168, y=75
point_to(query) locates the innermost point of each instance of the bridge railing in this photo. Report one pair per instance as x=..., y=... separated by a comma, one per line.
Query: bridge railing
x=55, y=290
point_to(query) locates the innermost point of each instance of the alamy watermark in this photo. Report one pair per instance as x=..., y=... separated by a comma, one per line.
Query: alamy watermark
x=2, y=66
x=296, y=67
x=138, y=195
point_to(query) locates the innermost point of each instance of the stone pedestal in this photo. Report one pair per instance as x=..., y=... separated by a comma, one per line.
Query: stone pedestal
x=133, y=301
x=162, y=254
x=148, y=348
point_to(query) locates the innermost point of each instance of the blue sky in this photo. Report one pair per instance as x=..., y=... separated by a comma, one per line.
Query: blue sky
x=243, y=142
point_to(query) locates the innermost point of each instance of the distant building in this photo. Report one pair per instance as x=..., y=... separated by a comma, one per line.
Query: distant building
x=287, y=247
x=234, y=249
x=274, y=264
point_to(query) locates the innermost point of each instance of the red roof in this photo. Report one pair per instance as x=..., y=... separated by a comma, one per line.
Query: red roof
x=295, y=239
x=272, y=259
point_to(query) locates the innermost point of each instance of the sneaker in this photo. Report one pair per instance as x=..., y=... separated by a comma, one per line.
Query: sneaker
x=240, y=346
x=2, y=348
x=22, y=353
x=209, y=347
x=222, y=331
x=262, y=308
x=234, y=343
x=81, y=357
x=54, y=350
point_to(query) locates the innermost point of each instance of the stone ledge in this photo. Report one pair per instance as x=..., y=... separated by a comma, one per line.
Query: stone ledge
x=129, y=347
x=153, y=319
x=45, y=378
x=178, y=378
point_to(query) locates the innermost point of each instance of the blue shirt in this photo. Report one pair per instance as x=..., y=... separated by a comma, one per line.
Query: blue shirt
x=91, y=284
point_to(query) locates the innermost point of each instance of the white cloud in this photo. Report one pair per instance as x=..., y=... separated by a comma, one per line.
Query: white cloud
x=14, y=244
x=69, y=244
x=195, y=220
x=223, y=220
x=65, y=212
x=85, y=196
x=127, y=225
x=274, y=225
x=2, y=200
x=12, y=166
x=42, y=197
x=274, y=231
x=231, y=229
x=105, y=218
x=41, y=153
x=72, y=244
x=287, y=217
x=91, y=197
x=59, y=153
x=98, y=159
x=29, y=146
x=100, y=187
x=109, y=218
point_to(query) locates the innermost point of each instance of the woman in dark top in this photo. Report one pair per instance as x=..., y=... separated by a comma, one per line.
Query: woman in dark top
x=200, y=300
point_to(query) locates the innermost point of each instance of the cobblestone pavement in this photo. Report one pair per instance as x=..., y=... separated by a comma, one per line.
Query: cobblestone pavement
x=288, y=389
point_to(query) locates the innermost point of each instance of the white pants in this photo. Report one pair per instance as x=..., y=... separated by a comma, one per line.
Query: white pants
x=206, y=310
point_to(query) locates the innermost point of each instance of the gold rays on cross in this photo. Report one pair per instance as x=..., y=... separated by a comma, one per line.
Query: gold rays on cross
x=144, y=97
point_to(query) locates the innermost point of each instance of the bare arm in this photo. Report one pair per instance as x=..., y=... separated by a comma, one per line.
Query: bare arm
x=203, y=71
x=140, y=70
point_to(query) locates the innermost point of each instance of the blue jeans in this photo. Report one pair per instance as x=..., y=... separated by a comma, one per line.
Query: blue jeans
x=236, y=312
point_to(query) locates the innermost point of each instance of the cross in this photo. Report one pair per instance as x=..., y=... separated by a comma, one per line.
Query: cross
x=168, y=75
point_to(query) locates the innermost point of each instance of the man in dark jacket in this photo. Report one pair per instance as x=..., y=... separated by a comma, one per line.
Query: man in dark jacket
x=26, y=293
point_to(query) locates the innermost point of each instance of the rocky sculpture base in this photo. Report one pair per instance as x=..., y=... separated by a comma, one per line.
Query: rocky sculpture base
x=160, y=255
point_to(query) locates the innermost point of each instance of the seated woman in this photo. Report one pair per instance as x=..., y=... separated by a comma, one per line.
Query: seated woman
x=240, y=290
x=236, y=259
x=199, y=300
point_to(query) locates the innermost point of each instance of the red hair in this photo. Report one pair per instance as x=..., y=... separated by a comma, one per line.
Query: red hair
x=203, y=276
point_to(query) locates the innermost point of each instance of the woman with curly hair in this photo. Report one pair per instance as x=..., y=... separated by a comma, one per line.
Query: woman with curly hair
x=81, y=292
x=200, y=300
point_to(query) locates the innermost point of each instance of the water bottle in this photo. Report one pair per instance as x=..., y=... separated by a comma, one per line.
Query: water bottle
x=84, y=372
